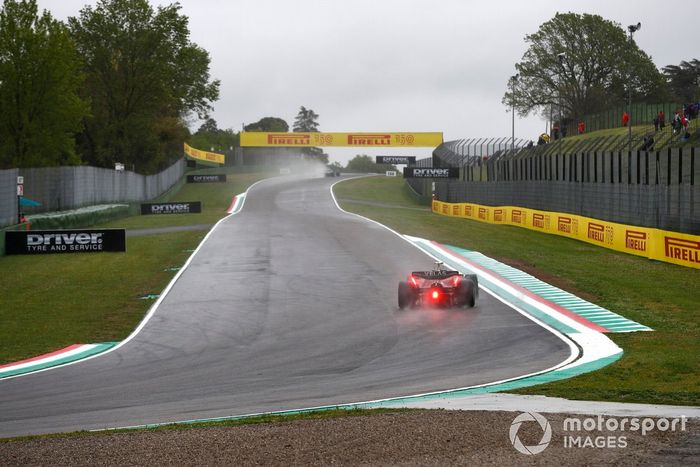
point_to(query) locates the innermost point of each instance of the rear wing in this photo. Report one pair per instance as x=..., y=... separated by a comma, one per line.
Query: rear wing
x=438, y=275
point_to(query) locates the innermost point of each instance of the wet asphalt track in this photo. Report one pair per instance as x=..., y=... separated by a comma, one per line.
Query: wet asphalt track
x=289, y=304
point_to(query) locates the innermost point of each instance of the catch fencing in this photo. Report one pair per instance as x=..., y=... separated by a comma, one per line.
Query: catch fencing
x=651, y=189
x=640, y=114
x=62, y=188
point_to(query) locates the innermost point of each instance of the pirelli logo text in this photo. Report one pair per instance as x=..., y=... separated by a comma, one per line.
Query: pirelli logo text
x=197, y=154
x=516, y=216
x=681, y=249
x=538, y=221
x=596, y=232
x=287, y=139
x=204, y=155
x=468, y=211
x=498, y=215
x=455, y=210
x=483, y=214
x=564, y=224
x=445, y=208
x=369, y=140
x=436, y=206
x=636, y=240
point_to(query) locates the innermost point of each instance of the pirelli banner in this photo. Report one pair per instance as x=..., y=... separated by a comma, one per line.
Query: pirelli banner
x=204, y=156
x=660, y=245
x=39, y=242
x=271, y=140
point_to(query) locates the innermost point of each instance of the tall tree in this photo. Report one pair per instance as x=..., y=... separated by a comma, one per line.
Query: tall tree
x=144, y=76
x=584, y=64
x=684, y=80
x=306, y=121
x=209, y=125
x=210, y=137
x=40, y=110
x=271, y=124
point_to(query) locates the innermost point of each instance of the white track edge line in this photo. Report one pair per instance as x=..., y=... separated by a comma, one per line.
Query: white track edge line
x=576, y=351
x=154, y=307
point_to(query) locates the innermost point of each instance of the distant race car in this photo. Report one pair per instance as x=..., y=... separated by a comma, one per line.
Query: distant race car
x=439, y=288
x=332, y=171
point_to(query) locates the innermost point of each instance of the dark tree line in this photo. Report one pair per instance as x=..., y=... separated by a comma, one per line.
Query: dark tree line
x=209, y=136
x=114, y=84
x=40, y=75
x=684, y=80
x=366, y=164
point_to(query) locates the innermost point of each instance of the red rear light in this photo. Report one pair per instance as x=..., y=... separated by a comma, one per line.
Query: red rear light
x=435, y=294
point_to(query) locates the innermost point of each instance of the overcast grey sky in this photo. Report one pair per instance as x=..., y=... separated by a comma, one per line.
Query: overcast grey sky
x=393, y=65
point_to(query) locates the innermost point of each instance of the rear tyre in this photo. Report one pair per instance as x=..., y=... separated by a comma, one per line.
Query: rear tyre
x=475, y=279
x=405, y=295
x=467, y=293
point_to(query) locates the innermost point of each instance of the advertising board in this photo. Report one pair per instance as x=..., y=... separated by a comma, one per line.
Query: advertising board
x=217, y=178
x=360, y=139
x=419, y=172
x=204, y=156
x=396, y=160
x=64, y=241
x=185, y=207
x=656, y=244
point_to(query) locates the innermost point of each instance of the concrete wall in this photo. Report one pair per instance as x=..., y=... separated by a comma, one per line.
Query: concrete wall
x=61, y=188
x=651, y=189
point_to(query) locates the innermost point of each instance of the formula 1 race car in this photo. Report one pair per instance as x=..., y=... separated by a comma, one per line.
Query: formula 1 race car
x=332, y=171
x=439, y=288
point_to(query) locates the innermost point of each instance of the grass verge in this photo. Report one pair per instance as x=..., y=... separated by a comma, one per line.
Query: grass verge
x=658, y=367
x=48, y=302
x=91, y=297
x=215, y=198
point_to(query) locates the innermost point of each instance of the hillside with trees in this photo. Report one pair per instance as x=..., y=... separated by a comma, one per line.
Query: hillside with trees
x=40, y=77
x=115, y=84
x=583, y=64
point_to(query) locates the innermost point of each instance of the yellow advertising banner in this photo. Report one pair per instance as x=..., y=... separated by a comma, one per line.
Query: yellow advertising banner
x=359, y=139
x=677, y=248
x=660, y=245
x=205, y=156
